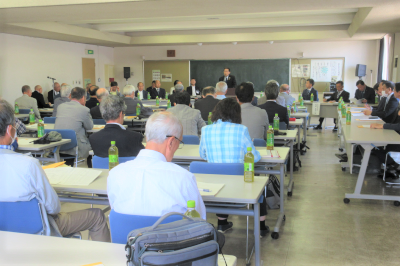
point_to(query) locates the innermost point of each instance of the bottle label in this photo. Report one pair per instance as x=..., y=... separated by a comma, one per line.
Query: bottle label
x=148, y=96
x=137, y=111
x=209, y=121
x=376, y=99
x=312, y=98
x=113, y=158
x=276, y=124
x=348, y=118
x=169, y=105
x=16, y=109
x=249, y=167
x=40, y=132
x=270, y=139
x=32, y=118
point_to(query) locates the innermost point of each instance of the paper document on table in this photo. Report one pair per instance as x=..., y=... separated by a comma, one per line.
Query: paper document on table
x=212, y=188
x=372, y=119
x=98, y=126
x=357, y=114
x=272, y=154
x=363, y=126
x=71, y=176
x=354, y=100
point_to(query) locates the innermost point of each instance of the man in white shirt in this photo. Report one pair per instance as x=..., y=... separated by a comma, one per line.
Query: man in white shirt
x=285, y=94
x=193, y=90
x=141, y=93
x=151, y=185
x=22, y=178
x=221, y=89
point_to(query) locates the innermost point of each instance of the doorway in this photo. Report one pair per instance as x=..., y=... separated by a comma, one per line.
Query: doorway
x=88, y=71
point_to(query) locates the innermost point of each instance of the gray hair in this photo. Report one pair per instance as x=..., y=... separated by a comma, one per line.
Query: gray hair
x=179, y=87
x=128, y=90
x=273, y=81
x=78, y=93
x=25, y=88
x=271, y=91
x=221, y=86
x=101, y=93
x=208, y=90
x=65, y=90
x=162, y=124
x=111, y=106
x=6, y=116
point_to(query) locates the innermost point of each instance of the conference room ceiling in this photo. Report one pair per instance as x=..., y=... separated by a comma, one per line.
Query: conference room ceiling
x=177, y=22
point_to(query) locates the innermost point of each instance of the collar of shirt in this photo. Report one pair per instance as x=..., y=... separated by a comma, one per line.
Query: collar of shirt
x=271, y=100
x=152, y=154
x=388, y=97
x=7, y=147
x=309, y=90
x=56, y=93
x=121, y=126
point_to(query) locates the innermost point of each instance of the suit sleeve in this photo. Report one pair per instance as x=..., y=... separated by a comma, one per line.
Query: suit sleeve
x=50, y=97
x=316, y=95
x=35, y=108
x=333, y=97
x=395, y=127
x=88, y=121
x=390, y=108
x=371, y=96
x=200, y=123
x=346, y=97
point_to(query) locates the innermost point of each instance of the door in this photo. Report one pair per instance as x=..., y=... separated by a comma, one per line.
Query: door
x=88, y=71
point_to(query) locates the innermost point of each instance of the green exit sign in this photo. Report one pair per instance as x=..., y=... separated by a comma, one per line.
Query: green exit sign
x=90, y=51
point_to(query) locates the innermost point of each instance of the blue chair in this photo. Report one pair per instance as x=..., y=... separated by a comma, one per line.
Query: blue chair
x=102, y=163
x=191, y=140
x=21, y=217
x=259, y=143
x=122, y=224
x=99, y=122
x=217, y=168
x=67, y=134
x=24, y=111
x=49, y=120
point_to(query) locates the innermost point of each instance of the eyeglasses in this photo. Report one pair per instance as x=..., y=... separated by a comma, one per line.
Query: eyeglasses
x=181, y=144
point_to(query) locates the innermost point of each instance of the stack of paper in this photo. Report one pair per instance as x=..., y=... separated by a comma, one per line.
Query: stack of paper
x=363, y=126
x=357, y=114
x=209, y=189
x=71, y=176
x=369, y=119
x=98, y=126
x=272, y=154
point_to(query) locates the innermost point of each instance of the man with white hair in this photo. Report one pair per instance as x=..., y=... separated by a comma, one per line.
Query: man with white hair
x=151, y=185
x=37, y=94
x=279, y=100
x=65, y=92
x=27, y=102
x=284, y=92
x=95, y=111
x=131, y=102
x=221, y=89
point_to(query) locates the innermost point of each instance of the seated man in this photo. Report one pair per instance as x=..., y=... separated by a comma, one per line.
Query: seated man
x=157, y=91
x=387, y=107
x=65, y=92
x=153, y=86
x=151, y=185
x=279, y=100
x=22, y=179
x=221, y=88
x=254, y=118
x=132, y=102
x=74, y=115
x=37, y=94
x=129, y=143
x=193, y=90
x=335, y=97
x=284, y=92
x=141, y=93
x=208, y=103
x=190, y=118
x=310, y=90
x=95, y=111
x=27, y=102
x=92, y=102
x=54, y=93
x=114, y=89
x=178, y=88
x=272, y=107
x=364, y=93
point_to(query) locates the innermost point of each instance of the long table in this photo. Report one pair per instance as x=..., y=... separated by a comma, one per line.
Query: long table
x=96, y=128
x=304, y=116
x=298, y=123
x=25, y=146
x=45, y=250
x=235, y=190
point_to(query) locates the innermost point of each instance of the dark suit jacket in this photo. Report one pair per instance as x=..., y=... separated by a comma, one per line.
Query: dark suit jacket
x=95, y=112
x=154, y=94
x=273, y=108
x=197, y=89
x=149, y=89
x=129, y=143
x=307, y=96
x=206, y=105
x=369, y=94
x=50, y=96
x=40, y=100
x=387, y=112
x=144, y=94
x=395, y=125
x=345, y=96
x=231, y=81
x=91, y=103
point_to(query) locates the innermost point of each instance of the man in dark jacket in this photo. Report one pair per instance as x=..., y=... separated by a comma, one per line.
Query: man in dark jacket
x=310, y=90
x=364, y=93
x=272, y=108
x=92, y=102
x=129, y=143
x=229, y=79
x=95, y=111
x=37, y=94
x=208, y=103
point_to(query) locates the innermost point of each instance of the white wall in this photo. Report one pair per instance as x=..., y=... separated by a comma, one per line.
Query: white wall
x=28, y=61
x=396, y=52
x=355, y=52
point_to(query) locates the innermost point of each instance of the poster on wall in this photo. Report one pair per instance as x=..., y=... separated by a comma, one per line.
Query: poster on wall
x=156, y=75
x=166, y=77
x=326, y=70
x=300, y=70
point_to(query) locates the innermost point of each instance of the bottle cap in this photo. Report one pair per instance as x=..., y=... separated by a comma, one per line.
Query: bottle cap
x=32, y=110
x=40, y=121
x=113, y=142
x=276, y=115
x=191, y=203
x=138, y=104
x=249, y=148
x=270, y=126
x=210, y=113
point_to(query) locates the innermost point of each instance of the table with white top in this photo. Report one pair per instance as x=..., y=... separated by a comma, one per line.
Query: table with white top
x=304, y=116
x=21, y=116
x=235, y=190
x=46, y=110
x=25, y=146
x=298, y=123
x=96, y=128
x=368, y=139
x=37, y=250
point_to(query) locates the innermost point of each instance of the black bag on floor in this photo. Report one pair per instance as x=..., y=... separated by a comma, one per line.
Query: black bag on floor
x=303, y=148
x=273, y=192
x=296, y=163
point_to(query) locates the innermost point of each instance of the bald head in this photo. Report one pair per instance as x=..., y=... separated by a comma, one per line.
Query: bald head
x=57, y=86
x=38, y=88
x=101, y=93
x=284, y=88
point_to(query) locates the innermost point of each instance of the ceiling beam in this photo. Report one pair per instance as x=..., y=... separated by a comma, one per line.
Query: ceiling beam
x=37, y=3
x=358, y=19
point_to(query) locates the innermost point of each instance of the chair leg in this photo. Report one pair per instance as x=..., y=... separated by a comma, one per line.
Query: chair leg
x=384, y=170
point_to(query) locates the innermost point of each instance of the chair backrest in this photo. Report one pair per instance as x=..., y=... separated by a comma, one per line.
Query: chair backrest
x=191, y=139
x=259, y=143
x=102, y=163
x=49, y=120
x=99, y=121
x=122, y=224
x=217, y=168
x=282, y=125
x=24, y=111
x=21, y=217
x=66, y=134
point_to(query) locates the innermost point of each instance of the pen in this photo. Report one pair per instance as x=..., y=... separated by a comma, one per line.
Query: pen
x=204, y=190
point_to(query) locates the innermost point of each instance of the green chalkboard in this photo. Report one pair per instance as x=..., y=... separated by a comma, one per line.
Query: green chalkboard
x=258, y=71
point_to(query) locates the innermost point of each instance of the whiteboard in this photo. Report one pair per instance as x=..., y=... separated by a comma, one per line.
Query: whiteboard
x=326, y=70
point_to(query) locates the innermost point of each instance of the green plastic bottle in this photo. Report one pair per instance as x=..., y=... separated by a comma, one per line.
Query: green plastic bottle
x=112, y=156
x=166, y=95
x=32, y=119
x=301, y=101
x=270, y=138
x=289, y=111
x=168, y=104
x=348, y=117
x=40, y=130
x=138, y=96
x=299, y=96
x=276, y=122
x=312, y=97
x=148, y=96
x=249, y=166
x=138, y=109
x=191, y=211
x=157, y=102
x=16, y=108
x=343, y=110
x=261, y=94
x=209, y=118
x=376, y=98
